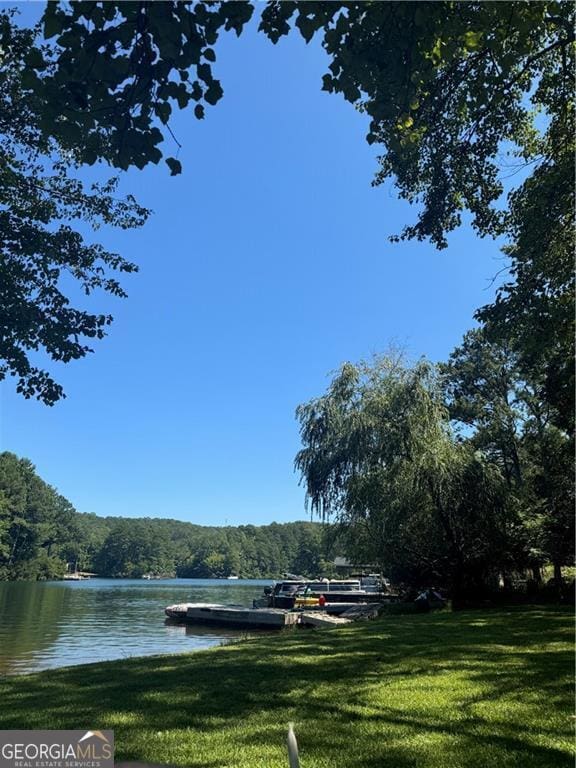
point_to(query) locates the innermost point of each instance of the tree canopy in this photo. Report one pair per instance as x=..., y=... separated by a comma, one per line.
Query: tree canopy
x=459, y=95
x=449, y=87
x=506, y=415
x=41, y=201
x=534, y=311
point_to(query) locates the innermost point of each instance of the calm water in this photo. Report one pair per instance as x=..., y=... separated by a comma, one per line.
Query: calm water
x=56, y=624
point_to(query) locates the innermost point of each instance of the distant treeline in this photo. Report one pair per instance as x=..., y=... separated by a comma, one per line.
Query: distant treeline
x=41, y=535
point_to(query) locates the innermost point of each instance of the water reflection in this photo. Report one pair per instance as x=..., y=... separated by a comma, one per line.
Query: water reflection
x=54, y=624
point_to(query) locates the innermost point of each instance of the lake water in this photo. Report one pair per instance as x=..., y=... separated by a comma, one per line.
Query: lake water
x=54, y=624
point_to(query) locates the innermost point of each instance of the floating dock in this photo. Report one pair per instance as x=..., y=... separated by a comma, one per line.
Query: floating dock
x=232, y=615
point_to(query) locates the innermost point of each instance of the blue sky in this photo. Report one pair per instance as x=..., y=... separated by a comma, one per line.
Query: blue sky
x=264, y=267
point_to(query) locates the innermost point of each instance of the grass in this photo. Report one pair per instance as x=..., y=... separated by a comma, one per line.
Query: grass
x=489, y=689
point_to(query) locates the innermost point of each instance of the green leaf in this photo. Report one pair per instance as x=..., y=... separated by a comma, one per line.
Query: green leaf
x=405, y=121
x=205, y=73
x=163, y=110
x=214, y=92
x=306, y=26
x=472, y=40
x=436, y=53
x=328, y=83
x=53, y=21
x=174, y=165
x=196, y=91
x=89, y=156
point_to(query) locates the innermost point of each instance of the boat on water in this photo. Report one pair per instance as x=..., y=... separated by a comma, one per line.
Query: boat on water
x=231, y=615
x=291, y=593
x=300, y=592
x=232, y=578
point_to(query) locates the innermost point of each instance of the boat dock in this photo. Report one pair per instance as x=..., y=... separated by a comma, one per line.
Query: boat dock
x=232, y=615
x=270, y=618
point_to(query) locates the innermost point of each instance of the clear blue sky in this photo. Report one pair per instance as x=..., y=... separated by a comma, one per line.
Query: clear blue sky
x=264, y=267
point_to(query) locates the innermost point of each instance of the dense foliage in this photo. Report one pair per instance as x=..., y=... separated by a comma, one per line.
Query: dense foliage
x=443, y=83
x=41, y=536
x=504, y=412
x=454, y=475
x=44, y=205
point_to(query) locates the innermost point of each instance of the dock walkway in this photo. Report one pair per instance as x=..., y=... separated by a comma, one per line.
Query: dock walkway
x=232, y=615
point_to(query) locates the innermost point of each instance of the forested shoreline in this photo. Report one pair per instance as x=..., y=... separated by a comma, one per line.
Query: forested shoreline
x=42, y=535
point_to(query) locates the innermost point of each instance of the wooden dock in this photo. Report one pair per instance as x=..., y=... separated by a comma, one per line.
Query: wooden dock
x=232, y=615
x=271, y=618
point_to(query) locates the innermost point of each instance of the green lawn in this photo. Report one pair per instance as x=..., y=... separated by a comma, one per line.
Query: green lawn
x=485, y=689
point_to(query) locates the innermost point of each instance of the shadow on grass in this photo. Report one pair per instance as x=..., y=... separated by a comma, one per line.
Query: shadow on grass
x=334, y=685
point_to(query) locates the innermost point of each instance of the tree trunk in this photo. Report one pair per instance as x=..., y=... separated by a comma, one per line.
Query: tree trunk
x=558, y=573
x=536, y=574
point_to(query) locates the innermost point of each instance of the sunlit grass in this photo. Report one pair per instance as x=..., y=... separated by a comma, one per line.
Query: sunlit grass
x=489, y=689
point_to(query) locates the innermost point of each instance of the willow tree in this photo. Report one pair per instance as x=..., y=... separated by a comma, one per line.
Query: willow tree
x=379, y=457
